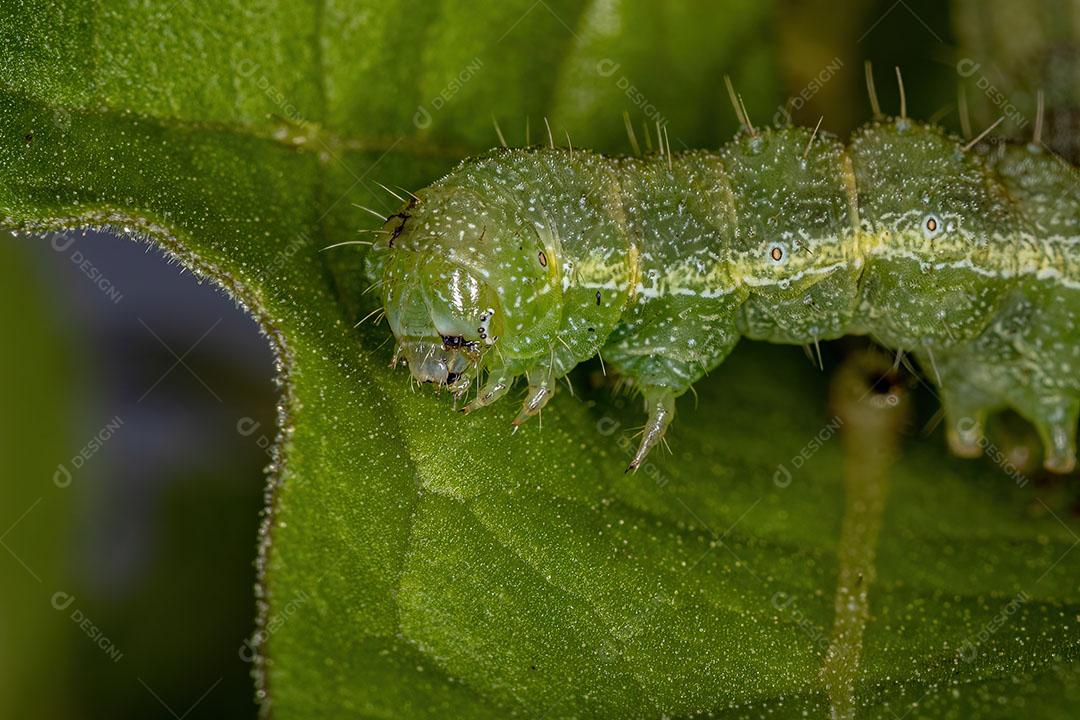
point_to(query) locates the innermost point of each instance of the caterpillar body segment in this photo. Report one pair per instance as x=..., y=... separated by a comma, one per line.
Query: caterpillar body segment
x=1028, y=358
x=525, y=262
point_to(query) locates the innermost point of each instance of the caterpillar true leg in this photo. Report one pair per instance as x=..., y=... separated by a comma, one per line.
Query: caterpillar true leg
x=498, y=383
x=535, y=400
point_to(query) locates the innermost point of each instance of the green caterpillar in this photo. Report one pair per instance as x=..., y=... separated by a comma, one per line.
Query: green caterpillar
x=526, y=262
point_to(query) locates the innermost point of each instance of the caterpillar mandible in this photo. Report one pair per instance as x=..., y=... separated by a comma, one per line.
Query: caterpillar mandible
x=526, y=262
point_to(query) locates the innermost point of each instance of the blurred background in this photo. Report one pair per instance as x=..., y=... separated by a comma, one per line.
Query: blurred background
x=143, y=494
x=142, y=404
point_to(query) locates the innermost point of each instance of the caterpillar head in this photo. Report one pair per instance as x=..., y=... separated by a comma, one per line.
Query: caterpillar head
x=444, y=318
x=464, y=272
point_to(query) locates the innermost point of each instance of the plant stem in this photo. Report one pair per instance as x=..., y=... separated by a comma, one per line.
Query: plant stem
x=873, y=408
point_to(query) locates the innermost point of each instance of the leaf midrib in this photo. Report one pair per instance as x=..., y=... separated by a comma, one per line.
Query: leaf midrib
x=409, y=145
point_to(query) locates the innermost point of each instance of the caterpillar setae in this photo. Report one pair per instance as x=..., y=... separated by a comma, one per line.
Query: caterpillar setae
x=528, y=261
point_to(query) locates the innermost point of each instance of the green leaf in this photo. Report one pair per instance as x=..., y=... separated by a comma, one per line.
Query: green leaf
x=417, y=563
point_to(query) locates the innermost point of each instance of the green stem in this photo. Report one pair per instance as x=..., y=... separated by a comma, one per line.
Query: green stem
x=873, y=410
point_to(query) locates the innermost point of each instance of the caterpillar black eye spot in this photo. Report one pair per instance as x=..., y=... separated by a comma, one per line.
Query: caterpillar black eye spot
x=451, y=377
x=543, y=258
x=597, y=297
x=452, y=341
x=931, y=225
x=399, y=228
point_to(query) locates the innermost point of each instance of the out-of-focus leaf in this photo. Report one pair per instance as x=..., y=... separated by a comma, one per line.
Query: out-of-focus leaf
x=1008, y=52
x=37, y=439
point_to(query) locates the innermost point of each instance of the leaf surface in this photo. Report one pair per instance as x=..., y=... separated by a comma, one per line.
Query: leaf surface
x=417, y=563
